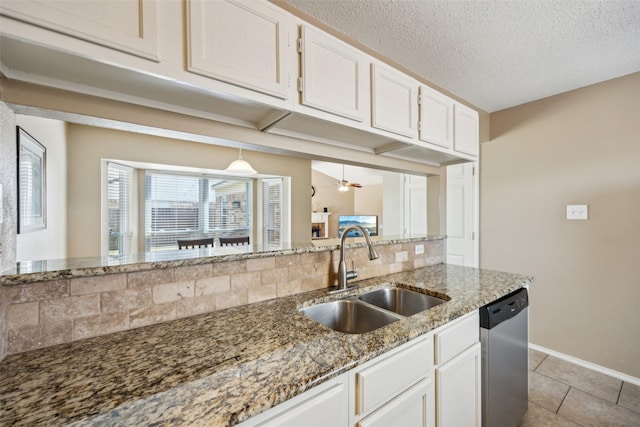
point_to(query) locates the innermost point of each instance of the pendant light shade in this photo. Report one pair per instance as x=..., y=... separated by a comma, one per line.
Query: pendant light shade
x=240, y=167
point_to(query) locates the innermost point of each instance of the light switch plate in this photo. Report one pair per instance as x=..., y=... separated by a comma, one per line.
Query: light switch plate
x=577, y=211
x=419, y=249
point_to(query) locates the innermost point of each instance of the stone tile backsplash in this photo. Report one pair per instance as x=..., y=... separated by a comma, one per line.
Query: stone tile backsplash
x=46, y=313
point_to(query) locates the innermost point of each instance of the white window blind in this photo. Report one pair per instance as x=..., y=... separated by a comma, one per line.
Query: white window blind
x=119, y=209
x=275, y=212
x=271, y=213
x=181, y=206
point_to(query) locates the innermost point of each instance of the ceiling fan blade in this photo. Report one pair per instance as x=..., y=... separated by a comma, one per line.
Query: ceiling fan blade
x=355, y=185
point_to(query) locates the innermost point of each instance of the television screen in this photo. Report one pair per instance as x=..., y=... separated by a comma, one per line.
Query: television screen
x=368, y=222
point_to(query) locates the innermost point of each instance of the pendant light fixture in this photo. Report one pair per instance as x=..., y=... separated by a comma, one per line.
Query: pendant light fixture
x=240, y=167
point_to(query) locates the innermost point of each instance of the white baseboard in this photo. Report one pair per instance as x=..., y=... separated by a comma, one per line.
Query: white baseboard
x=588, y=365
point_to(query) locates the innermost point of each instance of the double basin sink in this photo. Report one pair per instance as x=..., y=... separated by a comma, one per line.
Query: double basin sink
x=371, y=310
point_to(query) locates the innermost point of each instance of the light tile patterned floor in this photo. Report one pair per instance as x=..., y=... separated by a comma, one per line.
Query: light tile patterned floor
x=564, y=394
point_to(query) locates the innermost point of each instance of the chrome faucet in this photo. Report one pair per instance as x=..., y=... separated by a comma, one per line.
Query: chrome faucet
x=343, y=274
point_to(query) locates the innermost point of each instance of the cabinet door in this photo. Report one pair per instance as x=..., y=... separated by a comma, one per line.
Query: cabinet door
x=465, y=130
x=239, y=42
x=458, y=390
x=394, y=103
x=436, y=117
x=334, y=75
x=126, y=25
x=414, y=408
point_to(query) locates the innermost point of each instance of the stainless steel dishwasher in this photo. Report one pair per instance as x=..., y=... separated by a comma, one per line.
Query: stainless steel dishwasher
x=504, y=338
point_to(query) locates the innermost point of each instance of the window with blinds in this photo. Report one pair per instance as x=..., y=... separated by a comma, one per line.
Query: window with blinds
x=120, y=209
x=276, y=223
x=180, y=206
x=272, y=211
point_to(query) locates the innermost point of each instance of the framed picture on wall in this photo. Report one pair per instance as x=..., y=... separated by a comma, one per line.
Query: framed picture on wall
x=32, y=160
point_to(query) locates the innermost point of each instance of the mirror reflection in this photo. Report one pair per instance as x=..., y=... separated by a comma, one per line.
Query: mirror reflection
x=117, y=194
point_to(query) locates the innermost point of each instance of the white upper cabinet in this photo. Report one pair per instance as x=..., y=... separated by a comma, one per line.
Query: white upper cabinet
x=129, y=26
x=239, y=42
x=394, y=106
x=436, y=117
x=333, y=76
x=466, y=130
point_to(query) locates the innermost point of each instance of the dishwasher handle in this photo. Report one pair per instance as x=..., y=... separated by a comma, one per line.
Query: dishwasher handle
x=505, y=308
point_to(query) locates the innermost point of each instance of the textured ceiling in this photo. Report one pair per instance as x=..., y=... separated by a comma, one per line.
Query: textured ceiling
x=495, y=54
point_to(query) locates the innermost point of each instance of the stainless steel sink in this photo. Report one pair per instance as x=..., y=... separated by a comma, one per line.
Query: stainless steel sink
x=349, y=316
x=401, y=301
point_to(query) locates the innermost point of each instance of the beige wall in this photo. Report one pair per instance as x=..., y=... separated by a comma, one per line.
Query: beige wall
x=87, y=146
x=50, y=243
x=368, y=201
x=327, y=195
x=581, y=147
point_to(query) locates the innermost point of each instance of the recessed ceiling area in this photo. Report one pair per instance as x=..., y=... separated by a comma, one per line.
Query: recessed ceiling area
x=495, y=54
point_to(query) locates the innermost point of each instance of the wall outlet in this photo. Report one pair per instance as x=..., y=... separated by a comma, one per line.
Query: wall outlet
x=419, y=249
x=577, y=211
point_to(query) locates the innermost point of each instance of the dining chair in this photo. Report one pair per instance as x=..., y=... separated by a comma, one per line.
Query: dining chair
x=234, y=241
x=195, y=243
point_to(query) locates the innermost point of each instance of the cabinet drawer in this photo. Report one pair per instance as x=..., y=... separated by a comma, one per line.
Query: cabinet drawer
x=412, y=408
x=455, y=338
x=324, y=405
x=381, y=381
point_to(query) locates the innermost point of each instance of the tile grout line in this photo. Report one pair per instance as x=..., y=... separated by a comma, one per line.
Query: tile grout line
x=563, y=399
x=540, y=363
x=619, y=393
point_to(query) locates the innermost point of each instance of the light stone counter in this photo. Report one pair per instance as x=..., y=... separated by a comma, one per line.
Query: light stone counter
x=224, y=367
x=55, y=269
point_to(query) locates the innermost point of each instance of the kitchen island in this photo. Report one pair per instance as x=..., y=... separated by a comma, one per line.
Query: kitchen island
x=223, y=367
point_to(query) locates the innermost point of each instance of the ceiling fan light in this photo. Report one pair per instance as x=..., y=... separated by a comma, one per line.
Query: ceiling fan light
x=343, y=187
x=240, y=167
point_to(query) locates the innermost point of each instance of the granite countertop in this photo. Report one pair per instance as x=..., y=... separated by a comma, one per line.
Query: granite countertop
x=54, y=269
x=223, y=367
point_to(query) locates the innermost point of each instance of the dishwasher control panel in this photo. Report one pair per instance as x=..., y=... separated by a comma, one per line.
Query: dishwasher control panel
x=505, y=308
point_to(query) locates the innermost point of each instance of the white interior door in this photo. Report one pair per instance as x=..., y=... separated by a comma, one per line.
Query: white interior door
x=404, y=207
x=462, y=215
x=415, y=204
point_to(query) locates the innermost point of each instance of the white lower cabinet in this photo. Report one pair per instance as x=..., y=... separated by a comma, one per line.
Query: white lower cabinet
x=322, y=406
x=414, y=407
x=457, y=373
x=433, y=380
x=385, y=377
x=458, y=389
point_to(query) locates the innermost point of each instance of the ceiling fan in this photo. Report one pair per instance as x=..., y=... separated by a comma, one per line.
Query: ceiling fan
x=344, y=184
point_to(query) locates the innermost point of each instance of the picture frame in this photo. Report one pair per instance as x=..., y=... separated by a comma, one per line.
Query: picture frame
x=32, y=195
